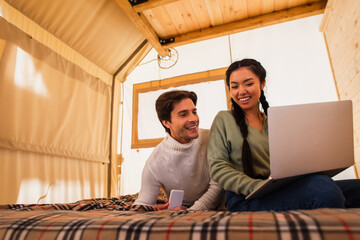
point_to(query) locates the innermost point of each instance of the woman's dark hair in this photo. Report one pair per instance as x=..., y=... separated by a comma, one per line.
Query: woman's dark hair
x=239, y=114
x=165, y=104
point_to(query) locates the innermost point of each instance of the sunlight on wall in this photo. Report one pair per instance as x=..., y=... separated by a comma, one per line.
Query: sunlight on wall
x=36, y=191
x=30, y=190
x=26, y=75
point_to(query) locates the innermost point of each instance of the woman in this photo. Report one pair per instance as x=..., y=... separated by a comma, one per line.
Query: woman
x=238, y=153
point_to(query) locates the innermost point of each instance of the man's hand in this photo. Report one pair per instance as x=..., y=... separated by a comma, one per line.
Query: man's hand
x=165, y=207
x=161, y=206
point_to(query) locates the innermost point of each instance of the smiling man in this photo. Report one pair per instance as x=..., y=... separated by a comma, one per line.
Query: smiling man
x=179, y=162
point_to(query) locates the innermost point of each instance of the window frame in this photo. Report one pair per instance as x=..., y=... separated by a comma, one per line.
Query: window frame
x=200, y=77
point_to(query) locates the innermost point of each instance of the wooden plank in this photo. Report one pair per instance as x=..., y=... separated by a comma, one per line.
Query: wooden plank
x=233, y=10
x=345, y=48
x=350, y=71
x=151, y=4
x=341, y=30
x=281, y=5
x=250, y=23
x=357, y=161
x=332, y=68
x=254, y=7
x=202, y=14
x=356, y=113
x=294, y=3
x=188, y=17
x=145, y=143
x=193, y=78
x=268, y=6
x=327, y=16
x=143, y=26
x=176, y=17
x=356, y=106
x=343, y=22
x=349, y=88
x=2, y=47
x=333, y=17
x=343, y=56
x=163, y=18
x=214, y=12
x=156, y=23
x=357, y=139
x=132, y=62
x=357, y=168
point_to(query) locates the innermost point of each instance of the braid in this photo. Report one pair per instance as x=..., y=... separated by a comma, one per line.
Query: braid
x=239, y=114
x=264, y=103
x=246, y=152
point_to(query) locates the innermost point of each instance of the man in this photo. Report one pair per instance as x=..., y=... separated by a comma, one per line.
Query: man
x=179, y=162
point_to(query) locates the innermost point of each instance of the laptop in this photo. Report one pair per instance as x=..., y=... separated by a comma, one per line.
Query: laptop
x=308, y=138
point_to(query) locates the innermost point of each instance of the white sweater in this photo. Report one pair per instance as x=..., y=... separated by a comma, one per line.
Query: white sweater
x=173, y=165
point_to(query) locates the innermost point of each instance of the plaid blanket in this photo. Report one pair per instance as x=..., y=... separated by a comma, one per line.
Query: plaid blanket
x=113, y=219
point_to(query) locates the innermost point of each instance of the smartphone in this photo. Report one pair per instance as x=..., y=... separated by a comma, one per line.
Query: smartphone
x=176, y=198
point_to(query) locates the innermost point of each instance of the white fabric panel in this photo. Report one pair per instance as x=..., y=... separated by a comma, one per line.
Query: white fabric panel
x=36, y=178
x=54, y=125
x=46, y=110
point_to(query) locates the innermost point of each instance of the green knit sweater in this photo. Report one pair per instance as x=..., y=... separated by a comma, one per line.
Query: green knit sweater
x=225, y=151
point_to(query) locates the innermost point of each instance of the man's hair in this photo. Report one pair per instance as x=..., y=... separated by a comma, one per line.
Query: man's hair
x=165, y=104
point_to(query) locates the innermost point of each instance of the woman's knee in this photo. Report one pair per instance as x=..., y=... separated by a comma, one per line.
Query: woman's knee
x=324, y=192
x=234, y=201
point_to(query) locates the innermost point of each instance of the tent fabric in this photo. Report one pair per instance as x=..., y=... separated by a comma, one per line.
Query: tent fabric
x=37, y=33
x=77, y=107
x=28, y=177
x=85, y=26
x=54, y=125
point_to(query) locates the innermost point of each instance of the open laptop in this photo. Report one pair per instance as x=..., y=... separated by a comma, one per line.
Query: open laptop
x=308, y=138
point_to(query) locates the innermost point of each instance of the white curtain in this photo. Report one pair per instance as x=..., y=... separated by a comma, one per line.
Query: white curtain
x=54, y=124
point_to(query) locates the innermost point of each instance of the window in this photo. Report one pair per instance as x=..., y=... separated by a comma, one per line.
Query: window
x=209, y=86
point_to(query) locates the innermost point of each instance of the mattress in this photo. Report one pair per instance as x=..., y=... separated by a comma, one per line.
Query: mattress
x=114, y=218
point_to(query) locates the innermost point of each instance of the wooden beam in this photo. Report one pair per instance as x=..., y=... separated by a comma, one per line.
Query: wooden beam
x=143, y=26
x=151, y=4
x=325, y=20
x=128, y=66
x=250, y=23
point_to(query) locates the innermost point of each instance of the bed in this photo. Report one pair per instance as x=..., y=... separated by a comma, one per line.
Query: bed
x=117, y=218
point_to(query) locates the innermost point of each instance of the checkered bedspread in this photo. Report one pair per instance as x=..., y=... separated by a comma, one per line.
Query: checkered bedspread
x=113, y=219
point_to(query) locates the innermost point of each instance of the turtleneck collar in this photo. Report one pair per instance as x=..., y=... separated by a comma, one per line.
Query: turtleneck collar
x=171, y=144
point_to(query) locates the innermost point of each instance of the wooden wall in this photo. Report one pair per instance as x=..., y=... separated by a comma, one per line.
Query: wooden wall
x=341, y=29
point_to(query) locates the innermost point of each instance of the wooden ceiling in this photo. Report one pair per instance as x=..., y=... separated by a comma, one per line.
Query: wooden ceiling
x=170, y=23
